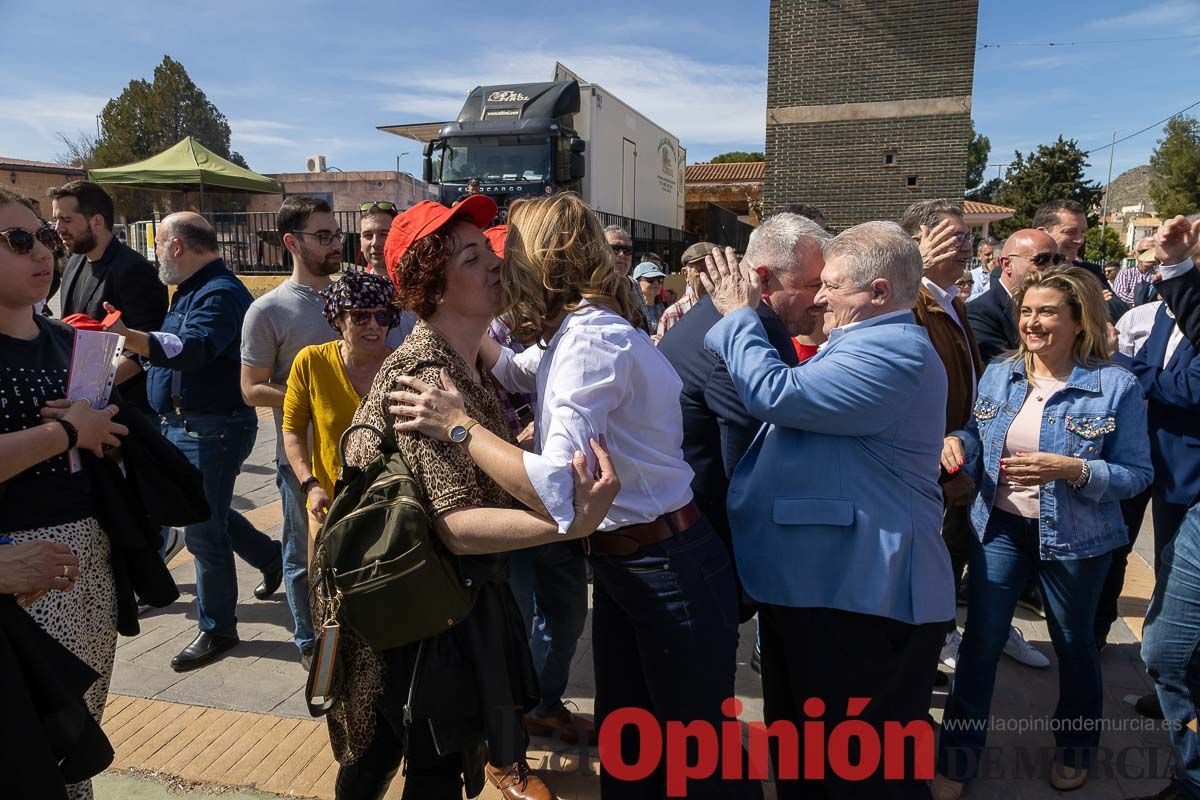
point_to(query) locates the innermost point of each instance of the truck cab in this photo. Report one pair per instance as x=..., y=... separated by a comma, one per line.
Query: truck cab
x=515, y=141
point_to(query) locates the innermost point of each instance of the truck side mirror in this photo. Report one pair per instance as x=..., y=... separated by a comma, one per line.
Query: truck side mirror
x=427, y=163
x=578, y=167
x=578, y=145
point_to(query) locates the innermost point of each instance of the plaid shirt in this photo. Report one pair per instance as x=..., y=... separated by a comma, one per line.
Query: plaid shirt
x=676, y=311
x=1125, y=284
x=511, y=402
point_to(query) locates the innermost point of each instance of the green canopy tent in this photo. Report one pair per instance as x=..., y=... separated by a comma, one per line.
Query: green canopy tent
x=185, y=167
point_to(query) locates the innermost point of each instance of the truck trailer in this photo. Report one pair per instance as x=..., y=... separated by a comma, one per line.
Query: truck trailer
x=532, y=139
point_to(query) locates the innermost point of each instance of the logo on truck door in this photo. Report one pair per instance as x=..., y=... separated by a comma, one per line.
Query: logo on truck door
x=506, y=97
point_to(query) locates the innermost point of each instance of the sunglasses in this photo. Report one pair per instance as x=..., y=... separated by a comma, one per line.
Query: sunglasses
x=622, y=248
x=383, y=317
x=378, y=205
x=20, y=241
x=1042, y=259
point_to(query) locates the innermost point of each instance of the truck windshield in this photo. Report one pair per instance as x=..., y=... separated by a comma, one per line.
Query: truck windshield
x=494, y=161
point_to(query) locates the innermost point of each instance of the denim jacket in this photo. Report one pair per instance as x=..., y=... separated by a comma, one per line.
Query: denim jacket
x=1100, y=415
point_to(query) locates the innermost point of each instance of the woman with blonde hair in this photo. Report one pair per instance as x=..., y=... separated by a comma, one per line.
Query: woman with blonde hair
x=664, y=621
x=1056, y=440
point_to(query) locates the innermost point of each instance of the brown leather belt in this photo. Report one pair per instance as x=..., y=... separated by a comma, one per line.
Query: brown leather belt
x=628, y=540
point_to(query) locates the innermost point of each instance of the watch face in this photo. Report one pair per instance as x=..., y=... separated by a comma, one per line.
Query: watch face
x=458, y=434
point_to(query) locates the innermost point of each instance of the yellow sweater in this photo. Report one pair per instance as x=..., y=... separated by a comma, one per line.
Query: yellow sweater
x=320, y=392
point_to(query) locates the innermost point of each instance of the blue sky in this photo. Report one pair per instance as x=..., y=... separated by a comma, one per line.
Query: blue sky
x=304, y=77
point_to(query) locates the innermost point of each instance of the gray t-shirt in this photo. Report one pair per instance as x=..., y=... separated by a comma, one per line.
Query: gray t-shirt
x=279, y=325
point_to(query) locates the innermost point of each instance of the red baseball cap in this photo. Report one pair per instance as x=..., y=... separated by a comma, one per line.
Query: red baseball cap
x=495, y=237
x=428, y=217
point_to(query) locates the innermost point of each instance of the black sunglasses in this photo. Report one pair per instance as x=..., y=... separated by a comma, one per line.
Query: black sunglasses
x=1042, y=259
x=622, y=248
x=379, y=205
x=20, y=241
x=360, y=318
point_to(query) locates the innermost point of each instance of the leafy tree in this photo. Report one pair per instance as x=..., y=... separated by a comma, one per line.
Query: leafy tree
x=1051, y=172
x=979, y=147
x=737, y=157
x=1175, y=187
x=150, y=116
x=1113, y=250
x=987, y=192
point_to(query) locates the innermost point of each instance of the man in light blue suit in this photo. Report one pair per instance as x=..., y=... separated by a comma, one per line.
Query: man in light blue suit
x=835, y=509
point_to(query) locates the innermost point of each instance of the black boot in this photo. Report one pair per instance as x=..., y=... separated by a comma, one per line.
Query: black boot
x=356, y=782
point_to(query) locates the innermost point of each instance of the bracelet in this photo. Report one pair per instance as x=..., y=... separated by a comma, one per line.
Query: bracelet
x=1085, y=475
x=72, y=433
x=308, y=483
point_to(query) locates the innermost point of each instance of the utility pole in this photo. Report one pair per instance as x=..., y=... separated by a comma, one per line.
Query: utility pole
x=1104, y=213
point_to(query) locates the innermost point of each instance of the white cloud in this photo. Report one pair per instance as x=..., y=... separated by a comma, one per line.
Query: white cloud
x=1169, y=18
x=258, y=131
x=701, y=102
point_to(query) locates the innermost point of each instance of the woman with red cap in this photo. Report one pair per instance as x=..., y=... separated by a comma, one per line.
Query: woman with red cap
x=461, y=702
x=664, y=617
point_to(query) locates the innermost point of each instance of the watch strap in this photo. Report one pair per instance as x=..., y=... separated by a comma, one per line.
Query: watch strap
x=308, y=483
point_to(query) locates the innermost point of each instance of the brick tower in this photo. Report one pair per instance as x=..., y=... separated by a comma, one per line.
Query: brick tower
x=868, y=104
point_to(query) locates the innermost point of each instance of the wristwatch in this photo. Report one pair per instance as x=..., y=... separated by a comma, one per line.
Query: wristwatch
x=458, y=433
x=308, y=483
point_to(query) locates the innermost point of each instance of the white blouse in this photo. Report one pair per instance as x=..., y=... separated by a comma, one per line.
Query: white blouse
x=600, y=375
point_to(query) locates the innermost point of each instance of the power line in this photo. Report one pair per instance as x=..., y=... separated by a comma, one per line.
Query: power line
x=1143, y=130
x=996, y=45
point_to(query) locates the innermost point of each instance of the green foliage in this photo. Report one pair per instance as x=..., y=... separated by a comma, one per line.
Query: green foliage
x=1113, y=250
x=1051, y=172
x=1175, y=187
x=979, y=147
x=150, y=116
x=737, y=157
x=987, y=192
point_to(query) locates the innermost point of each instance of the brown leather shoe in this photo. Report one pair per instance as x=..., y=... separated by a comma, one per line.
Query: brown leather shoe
x=564, y=725
x=518, y=782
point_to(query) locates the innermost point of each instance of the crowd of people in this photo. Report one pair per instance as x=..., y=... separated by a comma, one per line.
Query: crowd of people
x=844, y=435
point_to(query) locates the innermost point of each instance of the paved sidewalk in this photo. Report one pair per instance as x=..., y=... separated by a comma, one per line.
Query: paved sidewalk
x=242, y=722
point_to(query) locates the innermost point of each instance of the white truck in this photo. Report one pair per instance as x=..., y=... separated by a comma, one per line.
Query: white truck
x=530, y=139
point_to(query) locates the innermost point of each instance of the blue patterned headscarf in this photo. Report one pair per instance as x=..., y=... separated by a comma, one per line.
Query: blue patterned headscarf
x=359, y=289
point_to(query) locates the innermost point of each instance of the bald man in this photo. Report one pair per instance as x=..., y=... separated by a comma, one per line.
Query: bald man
x=193, y=384
x=991, y=314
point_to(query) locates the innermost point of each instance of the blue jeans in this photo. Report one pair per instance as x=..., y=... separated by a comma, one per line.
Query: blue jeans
x=295, y=552
x=664, y=639
x=999, y=567
x=550, y=585
x=1171, y=646
x=217, y=445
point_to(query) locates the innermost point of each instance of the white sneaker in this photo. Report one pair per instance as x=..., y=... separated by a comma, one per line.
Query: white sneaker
x=1022, y=651
x=950, y=649
x=173, y=544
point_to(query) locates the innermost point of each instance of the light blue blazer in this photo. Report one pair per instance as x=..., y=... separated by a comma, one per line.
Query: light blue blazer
x=836, y=504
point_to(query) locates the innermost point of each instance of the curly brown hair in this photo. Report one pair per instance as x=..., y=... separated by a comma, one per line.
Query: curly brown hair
x=421, y=272
x=555, y=257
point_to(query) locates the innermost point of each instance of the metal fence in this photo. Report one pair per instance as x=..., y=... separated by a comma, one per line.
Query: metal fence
x=250, y=243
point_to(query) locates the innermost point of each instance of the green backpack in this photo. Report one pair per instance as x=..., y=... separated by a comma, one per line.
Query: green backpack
x=386, y=575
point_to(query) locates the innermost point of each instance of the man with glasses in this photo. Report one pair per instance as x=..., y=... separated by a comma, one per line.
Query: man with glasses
x=373, y=226
x=192, y=383
x=991, y=314
x=279, y=325
x=622, y=246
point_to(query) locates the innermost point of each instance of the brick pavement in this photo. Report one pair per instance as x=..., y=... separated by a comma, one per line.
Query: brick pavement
x=242, y=721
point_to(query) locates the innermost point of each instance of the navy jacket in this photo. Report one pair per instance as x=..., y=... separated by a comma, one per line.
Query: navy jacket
x=717, y=428
x=991, y=318
x=1174, y=411
x=206, y=314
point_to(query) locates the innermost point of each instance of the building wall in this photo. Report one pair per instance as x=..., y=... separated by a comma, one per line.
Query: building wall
x=850, y=82
x=35, y=184
x=348, y=189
